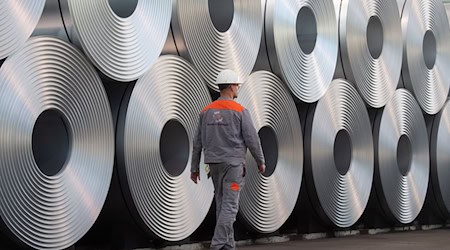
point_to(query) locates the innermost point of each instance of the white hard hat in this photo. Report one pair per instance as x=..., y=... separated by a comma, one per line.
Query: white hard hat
x=227, y=77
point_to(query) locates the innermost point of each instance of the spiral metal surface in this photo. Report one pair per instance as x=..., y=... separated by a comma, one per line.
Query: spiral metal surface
x=53, y=210
x=17, y=21
x=122, y=45
x=268, y=200
x=371, y=47
x=212, y=50
x=339, y=154
x=440, y=158
x=302, y=42
x=426, y=33
x=155, y=142
x=401, y=157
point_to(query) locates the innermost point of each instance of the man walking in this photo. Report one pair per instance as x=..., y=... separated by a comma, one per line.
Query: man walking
x=225, y=131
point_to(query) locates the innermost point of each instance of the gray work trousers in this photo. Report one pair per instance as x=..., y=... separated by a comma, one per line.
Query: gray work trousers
x=228, y=181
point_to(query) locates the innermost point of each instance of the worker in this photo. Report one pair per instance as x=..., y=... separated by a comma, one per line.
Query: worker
x=224, y=132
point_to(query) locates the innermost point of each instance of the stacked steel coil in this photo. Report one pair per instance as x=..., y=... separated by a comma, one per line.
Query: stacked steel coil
x=401, y=157
x=339, y=154
x=57, y=134
x=213, y=42
x=268, y=200
x=371, y=48
x=52, y=190
x=156, y=127
x=426, y=33
x=440, y=158
x=18, y=19
x=298, y=35
x=122, y=38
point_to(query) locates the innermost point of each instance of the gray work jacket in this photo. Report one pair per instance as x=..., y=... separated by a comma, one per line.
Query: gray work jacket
x=225, y=130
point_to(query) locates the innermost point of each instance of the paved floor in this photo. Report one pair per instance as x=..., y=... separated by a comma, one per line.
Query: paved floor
x=433, y=239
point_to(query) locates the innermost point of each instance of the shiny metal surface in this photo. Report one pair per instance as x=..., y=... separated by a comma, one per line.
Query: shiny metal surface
x=447, y=9
x=18, y=19
x=371, y=47
x=122, y=47
x=51, y=22
x=53, y=211
x=339, y=70
x=302, y=43
x=401, y=4
x=268, y=200
x=440, y=158
x=339, y=156
x=211, y=50
x=154, y=147
x=401, y=157
x=426, y=33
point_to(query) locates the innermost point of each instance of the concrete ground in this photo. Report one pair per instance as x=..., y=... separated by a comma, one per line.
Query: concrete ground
x=432, y=239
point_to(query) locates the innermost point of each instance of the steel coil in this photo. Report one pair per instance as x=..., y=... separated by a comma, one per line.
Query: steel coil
x=218, y=35
x=339, y=154
x=57, y=146
x=155, y=135
x=401, y=157
x=122, y=38
x=268, y=200
x=371, y=48
x=18, y=19
x=426, y=33
x=440, y=158
x=302, y=43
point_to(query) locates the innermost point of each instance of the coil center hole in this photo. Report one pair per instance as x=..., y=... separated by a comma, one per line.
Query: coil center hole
x=221, y=13
x=306, y=28
x=269, y=145
x=50, y=142
x=342, y=151
x=174, y=148
x=404, y=155
x=123, y=8
x=429, y=49
x=375, y=36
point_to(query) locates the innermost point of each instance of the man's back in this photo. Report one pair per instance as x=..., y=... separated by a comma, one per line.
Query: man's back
x=225, y=131
x=222, y=137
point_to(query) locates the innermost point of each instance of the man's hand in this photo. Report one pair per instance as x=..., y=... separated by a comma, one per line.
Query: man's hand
x=195, y=176
x=262, y=168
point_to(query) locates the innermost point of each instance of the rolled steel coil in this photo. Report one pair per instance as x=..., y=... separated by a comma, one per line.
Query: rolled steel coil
x=302, y=44
x=440, y=158
x=155, y=133
x=268, y=200
x=339, y=155
x=401, y=157
x=48, y=204
x=371, y=48
x=235, y=46
x=18, y=19
x=122, y=38
x=426, y=33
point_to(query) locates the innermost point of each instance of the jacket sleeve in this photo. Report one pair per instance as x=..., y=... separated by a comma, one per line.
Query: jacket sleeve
x=251, y=138
x=197, y=147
